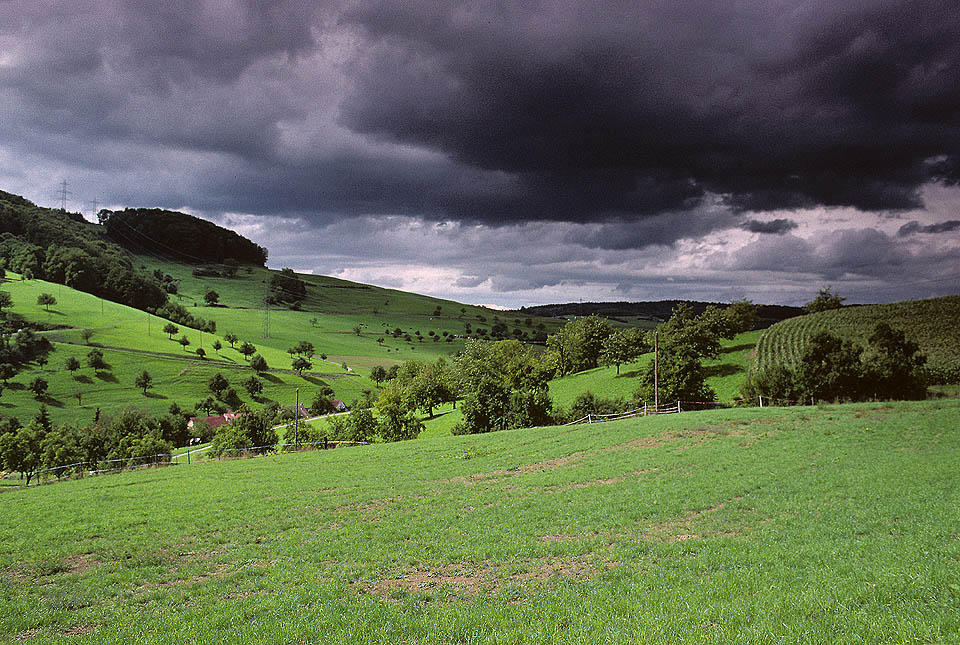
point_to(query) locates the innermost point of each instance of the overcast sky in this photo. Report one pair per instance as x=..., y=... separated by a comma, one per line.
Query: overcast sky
x=514, y=153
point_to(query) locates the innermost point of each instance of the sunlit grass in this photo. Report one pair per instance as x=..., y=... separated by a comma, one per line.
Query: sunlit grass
x=823, y=525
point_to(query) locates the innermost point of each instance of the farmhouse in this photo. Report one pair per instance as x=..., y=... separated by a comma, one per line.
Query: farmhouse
x=214, y=422
x=293, y=411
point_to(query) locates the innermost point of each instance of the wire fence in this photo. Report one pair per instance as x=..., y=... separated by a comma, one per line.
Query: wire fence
x=82, y=469
x=645, y=410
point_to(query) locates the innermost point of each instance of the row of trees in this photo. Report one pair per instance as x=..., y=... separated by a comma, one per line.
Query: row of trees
x=128, y=436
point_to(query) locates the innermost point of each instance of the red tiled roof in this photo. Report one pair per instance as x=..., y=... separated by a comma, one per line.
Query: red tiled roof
x=214, y=422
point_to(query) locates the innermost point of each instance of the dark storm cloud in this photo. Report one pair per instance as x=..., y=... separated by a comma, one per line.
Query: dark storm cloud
x=910, y=228
x=820, y=105
x=601, y=111
x=773, y=227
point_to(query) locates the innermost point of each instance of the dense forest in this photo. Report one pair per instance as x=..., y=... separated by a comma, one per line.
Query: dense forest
x=179, y=236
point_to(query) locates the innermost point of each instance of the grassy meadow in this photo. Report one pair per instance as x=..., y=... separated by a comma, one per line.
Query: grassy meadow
x=725, y=374
x=834, y=524
x=133, y=340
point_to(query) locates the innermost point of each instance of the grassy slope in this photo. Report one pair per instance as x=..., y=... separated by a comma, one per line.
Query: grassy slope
x=934, y=324
x=725, y=374
x=133, y=341
x=821, y=525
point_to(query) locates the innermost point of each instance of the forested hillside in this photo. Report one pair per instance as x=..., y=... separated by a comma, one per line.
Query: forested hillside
x=179, y=236
x=61, y=247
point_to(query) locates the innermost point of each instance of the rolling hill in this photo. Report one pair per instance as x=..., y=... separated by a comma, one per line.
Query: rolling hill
x=933, y=323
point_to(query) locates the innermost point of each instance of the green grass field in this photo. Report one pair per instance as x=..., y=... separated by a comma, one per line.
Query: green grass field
x=835, y=524
x=934, y=324
x=725, y=374
x=133, y=340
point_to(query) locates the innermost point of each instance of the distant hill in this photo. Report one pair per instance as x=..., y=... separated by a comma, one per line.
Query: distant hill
x=934, y=324
x=179, y=236
x=653, y=312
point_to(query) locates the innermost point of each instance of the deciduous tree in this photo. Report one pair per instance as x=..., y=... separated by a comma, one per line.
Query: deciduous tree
x=259, y=364
x=144, y=381
x=247, y=349
x=45, y=300
x=825, y=301
x=72, y=364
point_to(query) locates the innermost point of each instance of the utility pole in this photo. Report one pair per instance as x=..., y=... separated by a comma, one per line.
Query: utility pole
x=266, y=309
x=656, y=381
x=296, y=423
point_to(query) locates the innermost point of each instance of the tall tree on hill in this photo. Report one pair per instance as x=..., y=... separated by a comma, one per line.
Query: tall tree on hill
x=379, y=374
x=505, y=387
x=830, y=369
x=218, y=383
x=825, y=301
x=300, y=364
x=578, y=344
x=247, y=349
x=678, y=375
x=95, y=360
x=623, y=346
x=72, y=364
x=253, y=385
x=232, y=339
x=21, y=447
x=39, y=387
x=211, y=297
x=893, y=365
x=259, y=364
x=144, y=381
x=170, y=330
x=45, y=300
x=6, y=300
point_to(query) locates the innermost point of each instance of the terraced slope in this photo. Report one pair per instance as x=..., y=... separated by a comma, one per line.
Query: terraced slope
x=934, y=324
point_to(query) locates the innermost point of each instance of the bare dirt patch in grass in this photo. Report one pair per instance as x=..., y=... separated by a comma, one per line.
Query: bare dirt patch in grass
x=591, y=484
x=79, y=630
x=474, y=579
x=81, y=562
x=219, y=572
x=372, y=505
x=556, y=462
x=25, y=636
x=688, y=527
